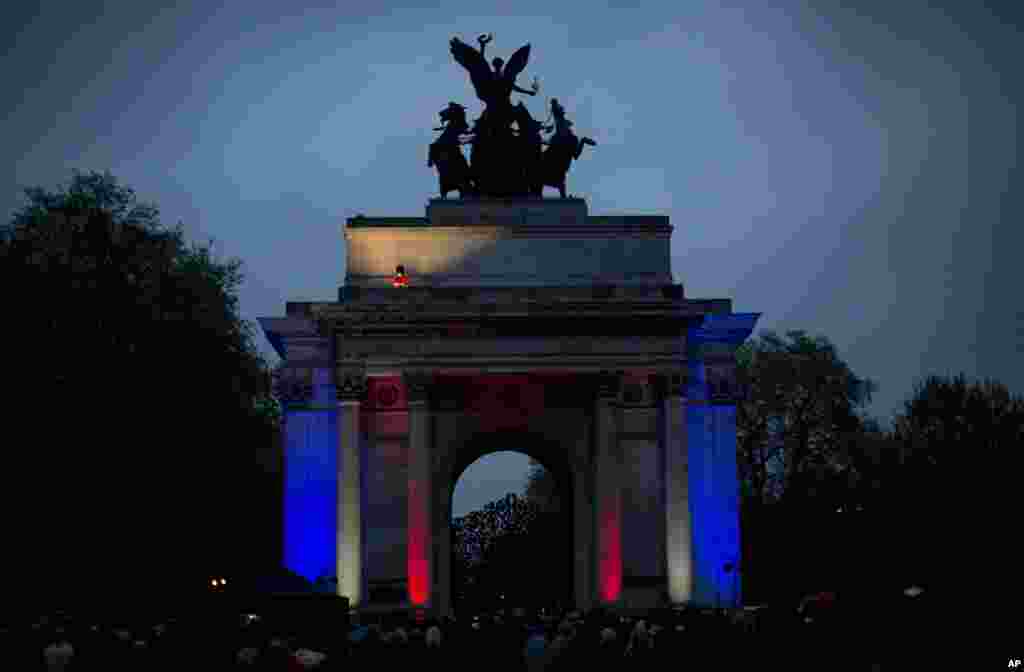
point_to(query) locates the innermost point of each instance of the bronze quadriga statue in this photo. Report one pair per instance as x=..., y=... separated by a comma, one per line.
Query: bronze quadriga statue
x=504, y=161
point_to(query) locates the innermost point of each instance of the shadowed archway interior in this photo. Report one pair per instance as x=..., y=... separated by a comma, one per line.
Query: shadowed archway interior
x=558, y=560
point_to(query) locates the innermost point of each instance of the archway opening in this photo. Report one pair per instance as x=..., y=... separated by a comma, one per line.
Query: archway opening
x=511, y=534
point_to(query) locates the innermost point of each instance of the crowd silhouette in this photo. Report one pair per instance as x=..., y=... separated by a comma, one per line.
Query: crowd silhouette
x=818, y=631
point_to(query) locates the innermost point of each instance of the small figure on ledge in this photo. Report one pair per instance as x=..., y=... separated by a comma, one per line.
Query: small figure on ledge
x=400, y=279
x=446, y=153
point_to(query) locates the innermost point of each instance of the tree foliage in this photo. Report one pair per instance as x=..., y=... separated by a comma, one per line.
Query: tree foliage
x=477, y=532
x=131, y=339
x=110, y=297
x=802, y=407
x=946, y=420
x=541, y=488
x=493, y=548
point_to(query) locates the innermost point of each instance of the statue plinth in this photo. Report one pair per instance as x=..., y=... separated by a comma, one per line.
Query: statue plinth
x=498, y=212
x=502, y=243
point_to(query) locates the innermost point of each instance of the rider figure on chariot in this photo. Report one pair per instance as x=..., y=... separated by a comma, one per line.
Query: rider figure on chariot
x=497, y=116
x=563, y=130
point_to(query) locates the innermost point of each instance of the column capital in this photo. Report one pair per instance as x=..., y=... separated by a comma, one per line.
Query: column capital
x=350, y=384
x=672, y=383
x=721, y=381
x=608, y=385
x=294, y=385
x=711, y=350
x=417, y=384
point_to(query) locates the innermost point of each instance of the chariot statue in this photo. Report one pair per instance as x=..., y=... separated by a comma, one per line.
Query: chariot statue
x=507, y=155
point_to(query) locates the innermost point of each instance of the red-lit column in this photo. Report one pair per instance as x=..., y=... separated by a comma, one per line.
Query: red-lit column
x=420, y=539
x=351, y=387
x=608, y=492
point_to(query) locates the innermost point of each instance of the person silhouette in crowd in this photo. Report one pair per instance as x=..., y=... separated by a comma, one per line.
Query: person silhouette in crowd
x=59, y=654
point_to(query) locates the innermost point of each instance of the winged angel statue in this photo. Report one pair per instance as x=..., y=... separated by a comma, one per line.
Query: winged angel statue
x=493, y=87
x=504, y=161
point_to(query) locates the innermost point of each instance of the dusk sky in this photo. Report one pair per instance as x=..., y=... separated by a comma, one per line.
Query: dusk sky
x=851, y=172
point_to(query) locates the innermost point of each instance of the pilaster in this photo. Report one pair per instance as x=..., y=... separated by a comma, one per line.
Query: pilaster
x=608, y=492
x=679, y=551
x=584, y=532
x=350, y=389
x=310, y=471
x=420, y=544
x=714, y=481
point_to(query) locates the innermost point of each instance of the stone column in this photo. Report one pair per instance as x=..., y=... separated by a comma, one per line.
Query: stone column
x=443, y=587
x=444, y=438
x=420, y=540
x=607, y=492
x=351, y=388
x=310, y=480
x=723, y=501
x=678, y=526
x=583, y=532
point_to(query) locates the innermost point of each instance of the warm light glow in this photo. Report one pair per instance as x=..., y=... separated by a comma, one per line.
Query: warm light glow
x=400, y=279
x=349, y=568
x=419, y=539
x=610, y=568
x=418, y=546
x=684, y=429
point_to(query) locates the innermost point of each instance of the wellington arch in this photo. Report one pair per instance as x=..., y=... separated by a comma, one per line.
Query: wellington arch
x=516, y=317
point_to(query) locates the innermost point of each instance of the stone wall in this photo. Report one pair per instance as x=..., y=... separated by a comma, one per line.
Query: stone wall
x=472, y=244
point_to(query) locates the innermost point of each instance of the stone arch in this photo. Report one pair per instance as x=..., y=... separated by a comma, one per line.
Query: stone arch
x=557, y=453
x=543, y=299
x=548, y=451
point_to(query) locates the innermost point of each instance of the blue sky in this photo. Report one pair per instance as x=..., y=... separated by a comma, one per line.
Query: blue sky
x=849, y=172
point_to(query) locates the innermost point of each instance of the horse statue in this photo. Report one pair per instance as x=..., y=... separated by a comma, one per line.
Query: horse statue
x=507, y=158
x=446, y=153
x=529, y=150
x=563, y=148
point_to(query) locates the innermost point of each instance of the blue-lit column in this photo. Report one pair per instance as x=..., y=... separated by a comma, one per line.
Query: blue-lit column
x=351, y=388
x=310, y=472
x=701, y=478
x=727, y=549
x=714, y=479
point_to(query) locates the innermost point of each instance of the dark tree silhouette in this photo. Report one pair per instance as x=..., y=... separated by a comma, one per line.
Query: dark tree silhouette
x=496, y=549
x=801, y=405
x=143, y=403
x=949, y=427
x=795, y=424
x=541, y=488
x=946, y=419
